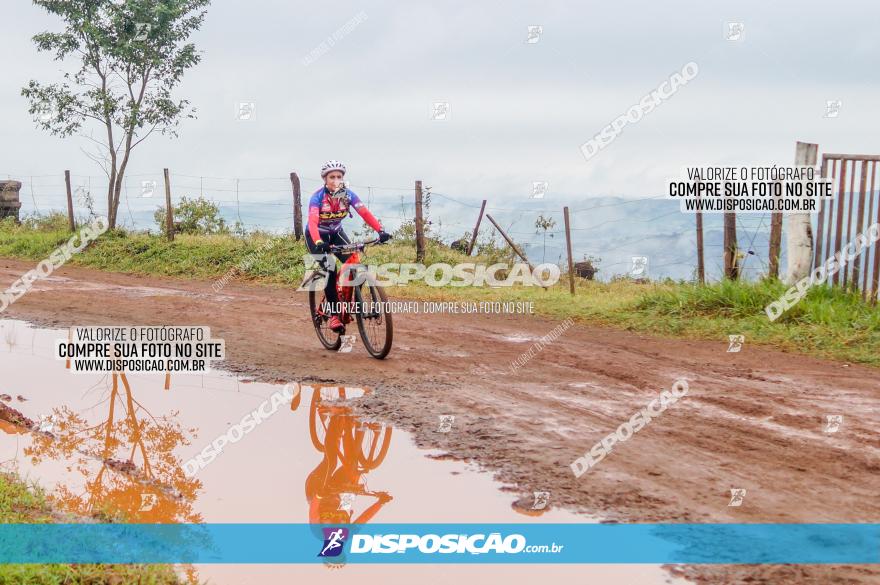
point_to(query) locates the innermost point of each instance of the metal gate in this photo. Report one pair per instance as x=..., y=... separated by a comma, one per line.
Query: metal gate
x=852, y=210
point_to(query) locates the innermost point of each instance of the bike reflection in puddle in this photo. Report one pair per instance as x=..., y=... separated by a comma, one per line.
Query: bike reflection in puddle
x=351, y=449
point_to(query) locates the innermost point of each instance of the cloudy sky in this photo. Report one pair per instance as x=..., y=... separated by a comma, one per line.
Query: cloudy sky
x=518, y=111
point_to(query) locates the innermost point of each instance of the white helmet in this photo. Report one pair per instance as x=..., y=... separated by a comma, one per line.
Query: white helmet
x=332, y=165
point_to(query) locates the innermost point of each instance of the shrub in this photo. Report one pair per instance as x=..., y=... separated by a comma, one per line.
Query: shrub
x=197, y=216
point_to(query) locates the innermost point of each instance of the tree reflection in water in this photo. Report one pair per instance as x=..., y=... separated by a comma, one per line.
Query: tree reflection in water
x=139, y=478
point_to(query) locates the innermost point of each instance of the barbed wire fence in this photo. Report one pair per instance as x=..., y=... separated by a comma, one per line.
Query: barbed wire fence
x=266, y=204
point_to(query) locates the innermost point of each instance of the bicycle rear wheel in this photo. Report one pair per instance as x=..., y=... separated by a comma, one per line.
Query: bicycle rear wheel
x=374, y=320
x=328, y=338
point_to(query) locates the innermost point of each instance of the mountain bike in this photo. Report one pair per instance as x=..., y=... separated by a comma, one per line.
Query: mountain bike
x=360, y=298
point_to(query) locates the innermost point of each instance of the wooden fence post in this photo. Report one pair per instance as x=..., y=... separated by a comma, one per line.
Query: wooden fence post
x=860, y=220
x=510, y=242
x=420, y=225
x=841, y=199
x=297, y=207
x=868, y=219
x=852, y=189
x=568, y=245
x=70, y=220
x=775, y=243
x=169, y=213
x=825, y=207
x=701, y=265
x=730, y=248
x=875, y=278
x=476, y=228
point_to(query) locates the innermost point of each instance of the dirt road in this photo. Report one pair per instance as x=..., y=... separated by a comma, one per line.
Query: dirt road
x=753, y=420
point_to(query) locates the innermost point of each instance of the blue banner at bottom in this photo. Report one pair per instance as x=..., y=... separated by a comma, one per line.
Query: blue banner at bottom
x=441, y=543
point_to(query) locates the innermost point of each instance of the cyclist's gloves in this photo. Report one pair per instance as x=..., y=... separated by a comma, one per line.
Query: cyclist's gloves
x=322, y=247
x=384, y=237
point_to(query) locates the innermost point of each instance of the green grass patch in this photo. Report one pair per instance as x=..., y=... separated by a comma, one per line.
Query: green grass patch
x=21, y=503
x=827, y=322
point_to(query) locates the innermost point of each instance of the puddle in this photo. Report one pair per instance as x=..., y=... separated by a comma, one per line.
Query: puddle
x=124, y=290
x=118, y=443
x=51, y=283
x=517, y=338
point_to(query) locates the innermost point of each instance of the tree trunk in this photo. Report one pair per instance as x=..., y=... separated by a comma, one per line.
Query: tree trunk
x=117, y=187
x=111, y=186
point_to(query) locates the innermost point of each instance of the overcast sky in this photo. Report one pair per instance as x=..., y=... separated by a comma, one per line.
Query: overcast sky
x=518, y=111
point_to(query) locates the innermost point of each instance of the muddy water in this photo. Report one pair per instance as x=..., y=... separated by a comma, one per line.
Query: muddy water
x=118, y=444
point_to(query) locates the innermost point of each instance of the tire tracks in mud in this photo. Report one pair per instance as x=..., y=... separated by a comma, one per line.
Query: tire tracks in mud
x=752, y=419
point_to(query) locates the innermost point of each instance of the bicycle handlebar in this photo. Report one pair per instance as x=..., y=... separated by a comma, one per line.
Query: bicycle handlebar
x=355, y=246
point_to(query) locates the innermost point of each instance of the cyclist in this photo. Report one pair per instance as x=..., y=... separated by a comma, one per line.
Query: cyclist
x=328, y=206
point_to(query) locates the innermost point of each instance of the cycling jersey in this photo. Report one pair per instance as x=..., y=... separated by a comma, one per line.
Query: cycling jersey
x=326, y=213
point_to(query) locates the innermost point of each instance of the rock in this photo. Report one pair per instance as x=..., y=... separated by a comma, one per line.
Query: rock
x=9, y=199
x=460, y=245
x=9, y=414
x=527, y=506
x=585, y=269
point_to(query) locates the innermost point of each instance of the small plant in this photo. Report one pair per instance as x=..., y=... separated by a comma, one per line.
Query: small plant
x=84, y=198
x=544, y=223
x=406, y=232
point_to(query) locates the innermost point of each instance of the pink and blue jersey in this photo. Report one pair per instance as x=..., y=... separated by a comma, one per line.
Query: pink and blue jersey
x=326, y=213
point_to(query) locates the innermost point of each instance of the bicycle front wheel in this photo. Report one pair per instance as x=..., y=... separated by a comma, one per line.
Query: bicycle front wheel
x=374, y=319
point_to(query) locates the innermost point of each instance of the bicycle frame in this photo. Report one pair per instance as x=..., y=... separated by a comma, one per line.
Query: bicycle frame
x=353, y=286
x=347, y=273
x=344, y=293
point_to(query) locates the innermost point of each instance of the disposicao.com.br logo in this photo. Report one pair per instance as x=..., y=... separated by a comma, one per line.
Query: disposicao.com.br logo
x=475, y=544
x=438, y=274
x=334, y=542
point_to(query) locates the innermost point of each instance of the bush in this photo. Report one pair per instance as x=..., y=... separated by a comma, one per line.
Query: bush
x=406, y=232
x=7, y=224
x=54, y=221
x=197, y=216
x=493, y=247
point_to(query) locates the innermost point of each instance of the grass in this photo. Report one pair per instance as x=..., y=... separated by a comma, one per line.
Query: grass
x=829, y=323
x=21, y=503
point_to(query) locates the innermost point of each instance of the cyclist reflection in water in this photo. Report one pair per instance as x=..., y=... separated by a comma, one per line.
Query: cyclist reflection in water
x=351, y=449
